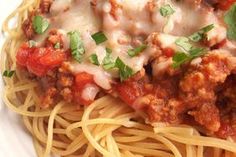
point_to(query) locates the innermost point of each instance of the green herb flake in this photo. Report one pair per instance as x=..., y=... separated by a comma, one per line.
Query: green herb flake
x=99, y=37
x=109, y=66
x=230, y=18
x=108, y=50
x=40, y=24
x=197, y=52
x=31, y=43
x=136, y=51
x=94, y=59
x=57, y=45
x=108, y=62
x=8, y=73
x=201, y=34
x=166, y=10
x=183, y=42
x=180, y=57
x=125, y=71
x=76, y=45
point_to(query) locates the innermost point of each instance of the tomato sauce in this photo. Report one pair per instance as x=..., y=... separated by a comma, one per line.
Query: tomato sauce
x=40, y=60
x=225, y=4
x=81, y=80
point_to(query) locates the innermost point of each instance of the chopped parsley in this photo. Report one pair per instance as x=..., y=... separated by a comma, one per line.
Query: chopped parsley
x=183, y=42
x=8, y=73
x=108, y=50
x=94, y=59
x=32, y=43
x=108, y=62
x=166, y=10
x=136, y=51
x=230, y=18
x=197, y=52
x=40, y=24
x=57, y=45
x=181, y=57
x=201, y=34
x=124, y=70
x=99, y=37
x=190, y=52
x=76, y=45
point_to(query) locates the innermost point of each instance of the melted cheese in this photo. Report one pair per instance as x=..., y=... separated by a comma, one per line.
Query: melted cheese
x=78, y=15
x=90, y=91
x=74, y=15
x=132, y=24
x=101, y=77
x=137, y=19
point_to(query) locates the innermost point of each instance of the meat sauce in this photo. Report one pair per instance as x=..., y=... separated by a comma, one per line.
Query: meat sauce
x=192, y=91
x=200, y=92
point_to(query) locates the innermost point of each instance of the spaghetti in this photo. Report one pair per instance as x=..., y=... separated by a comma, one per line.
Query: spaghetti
x=107, y=127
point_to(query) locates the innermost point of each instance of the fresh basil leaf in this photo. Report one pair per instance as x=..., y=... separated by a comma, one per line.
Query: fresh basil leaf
x=179, y=58
x=57, y=45
x=136, y=51
x=195, y=37
x=201, y=34
x=109, y=66
x=40, y=24
x=196, y=52
x=94, y=59
x=166, y=10
x=230, y=18
x=76, y=55
x=125, y=71
x=184, y=43
x=99, y=37
x=74, y=39
x=108, y=50
x=108, y=62
x=76, y=45
x=8, y=73
x=207, y=28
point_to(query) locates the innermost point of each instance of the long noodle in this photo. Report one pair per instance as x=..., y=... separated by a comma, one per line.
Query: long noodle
x=105, y=128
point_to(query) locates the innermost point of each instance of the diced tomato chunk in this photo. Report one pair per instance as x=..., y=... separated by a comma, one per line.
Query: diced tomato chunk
x=225, y=4
x=53, y=58
x=219, y=45
x=44, y=59
x=36, y=68
x=33, y=62
x=39, y=60
x=168, y=52
x=23, y=54
x=81, y=80
x=129, y=91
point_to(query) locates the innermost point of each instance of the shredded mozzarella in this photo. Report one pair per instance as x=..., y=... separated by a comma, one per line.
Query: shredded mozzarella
x=130, y=23
x=90, y=91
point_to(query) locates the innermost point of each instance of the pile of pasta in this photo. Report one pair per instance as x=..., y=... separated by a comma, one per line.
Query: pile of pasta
x=107, y=127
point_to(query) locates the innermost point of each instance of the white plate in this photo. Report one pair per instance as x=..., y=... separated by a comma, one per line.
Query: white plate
x=14, y=140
